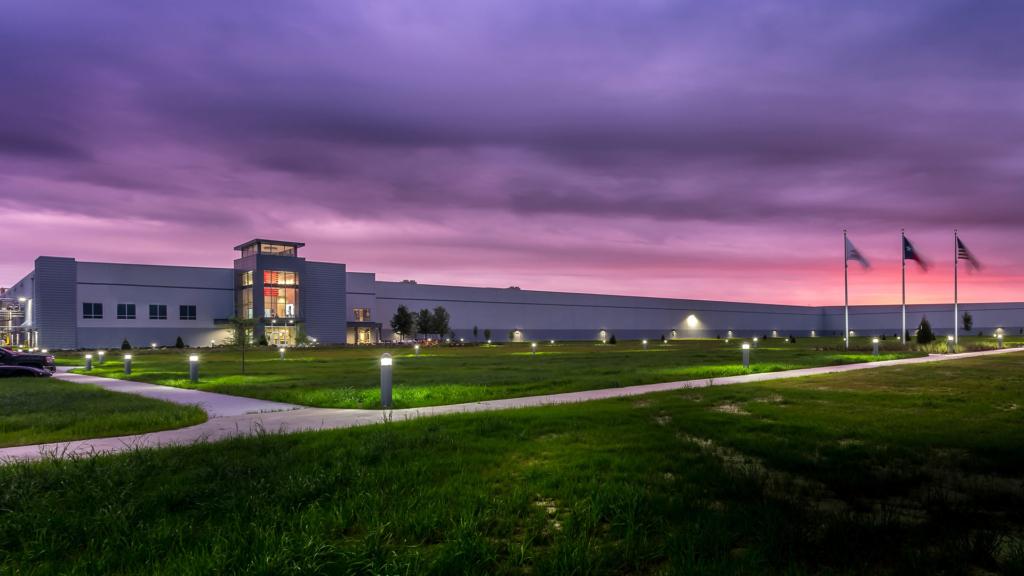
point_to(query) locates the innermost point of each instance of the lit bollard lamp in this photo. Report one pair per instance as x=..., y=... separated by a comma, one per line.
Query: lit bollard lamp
x=280, y=353
x=645, y=344
x=755, y=342
x=102, y=354
x=88, y=362
x=385, y=381
x=746, y=355
x=193, y=368
x=127, y=364
x=950, y=345
x=874, y=346
x=533, y=346
x=416, y=350
x=999, y=341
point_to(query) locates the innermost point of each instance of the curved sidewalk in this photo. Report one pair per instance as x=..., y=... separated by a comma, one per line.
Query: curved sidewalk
x=298, y=419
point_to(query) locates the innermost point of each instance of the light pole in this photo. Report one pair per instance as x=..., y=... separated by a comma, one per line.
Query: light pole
x=385, y=381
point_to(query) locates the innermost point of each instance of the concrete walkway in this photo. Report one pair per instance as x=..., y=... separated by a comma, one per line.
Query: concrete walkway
x=215, y=405
x=293, y=419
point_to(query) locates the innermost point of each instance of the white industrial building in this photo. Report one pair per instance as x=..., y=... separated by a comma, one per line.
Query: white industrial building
x=63, y=303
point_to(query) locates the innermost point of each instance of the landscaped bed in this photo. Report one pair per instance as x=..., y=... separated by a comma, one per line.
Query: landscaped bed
x=904, y=470
x=40, y=410
x=349, y=377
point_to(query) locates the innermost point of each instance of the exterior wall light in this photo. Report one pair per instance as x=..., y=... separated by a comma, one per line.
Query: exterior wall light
x=692, y=322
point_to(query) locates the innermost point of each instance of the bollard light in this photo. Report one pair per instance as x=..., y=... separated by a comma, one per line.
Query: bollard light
x=385, y=380
x=193, y=368
x=213, y=343
x=999, y=340
x=416, y=349
x=533, y=345
x=127, y=364
x=488, y=342
x=645, y=344
x=552, y=342
x=755, y=342
x=88, y=362
x=101, y=354
x=280, y=353
x=950, y=345
x=152, y=345
x=874, y=346
x=746, y=355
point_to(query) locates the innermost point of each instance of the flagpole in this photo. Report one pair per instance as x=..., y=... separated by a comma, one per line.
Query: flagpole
x=956, y=287
x=903, y=251
x=846, y=292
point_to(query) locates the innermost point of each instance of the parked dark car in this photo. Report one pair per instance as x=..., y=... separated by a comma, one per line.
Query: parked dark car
x=41, y=361
x=23, y=372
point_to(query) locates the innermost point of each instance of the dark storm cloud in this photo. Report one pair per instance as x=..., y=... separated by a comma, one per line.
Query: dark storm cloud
x=796, y=113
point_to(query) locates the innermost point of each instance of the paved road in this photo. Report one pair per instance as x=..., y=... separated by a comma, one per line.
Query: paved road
x=296, y=419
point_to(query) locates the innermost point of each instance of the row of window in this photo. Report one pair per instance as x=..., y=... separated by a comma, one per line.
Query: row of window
x=94, y=311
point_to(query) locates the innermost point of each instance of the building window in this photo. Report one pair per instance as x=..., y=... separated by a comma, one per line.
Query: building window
x=280, y=302
x=361, y=314
x=92, y=310
x=277, y=249
x=126, y=311
x=247, y=278
x=245, y=303
x=158, y=312
x=187, y=312
x=280, y=278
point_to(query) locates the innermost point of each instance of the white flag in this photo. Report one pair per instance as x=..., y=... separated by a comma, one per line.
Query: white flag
x=853, y=254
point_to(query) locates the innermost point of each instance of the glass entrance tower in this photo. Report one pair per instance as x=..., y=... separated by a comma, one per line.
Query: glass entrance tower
x=268, y=289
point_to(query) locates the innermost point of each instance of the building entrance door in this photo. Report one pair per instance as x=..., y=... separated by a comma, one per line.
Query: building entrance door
x=280, y=335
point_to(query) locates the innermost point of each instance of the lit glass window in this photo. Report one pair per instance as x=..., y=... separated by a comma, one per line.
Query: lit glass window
x=280, y=278
x=280, y=302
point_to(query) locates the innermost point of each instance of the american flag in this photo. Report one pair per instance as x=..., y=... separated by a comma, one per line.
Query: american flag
x=962, y=253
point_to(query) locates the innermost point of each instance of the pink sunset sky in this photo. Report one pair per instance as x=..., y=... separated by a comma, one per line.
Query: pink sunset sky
x=710, y=150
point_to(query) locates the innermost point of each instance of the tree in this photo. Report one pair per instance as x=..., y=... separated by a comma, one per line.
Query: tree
x=487, y=333
x=441, y=322
x=424, y=322
x=612, y=340
x=402, y=322
x=924, y=332
x=241, y=328
x=968, y=321
x=300, y=334
x=179, y=343
x=126, y=345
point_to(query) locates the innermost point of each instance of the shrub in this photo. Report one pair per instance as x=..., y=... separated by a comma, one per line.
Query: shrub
x=126, y=345
x=792, y=339
x=662, y=338
x=924, y=332
x=883, y=336
x=612, y=340
x=179, y=343
x=263, y=340
x=968, y=321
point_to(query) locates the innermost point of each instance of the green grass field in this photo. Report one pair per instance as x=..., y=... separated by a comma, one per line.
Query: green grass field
x=349, y=377
x=906, y=470
x=38, y=410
